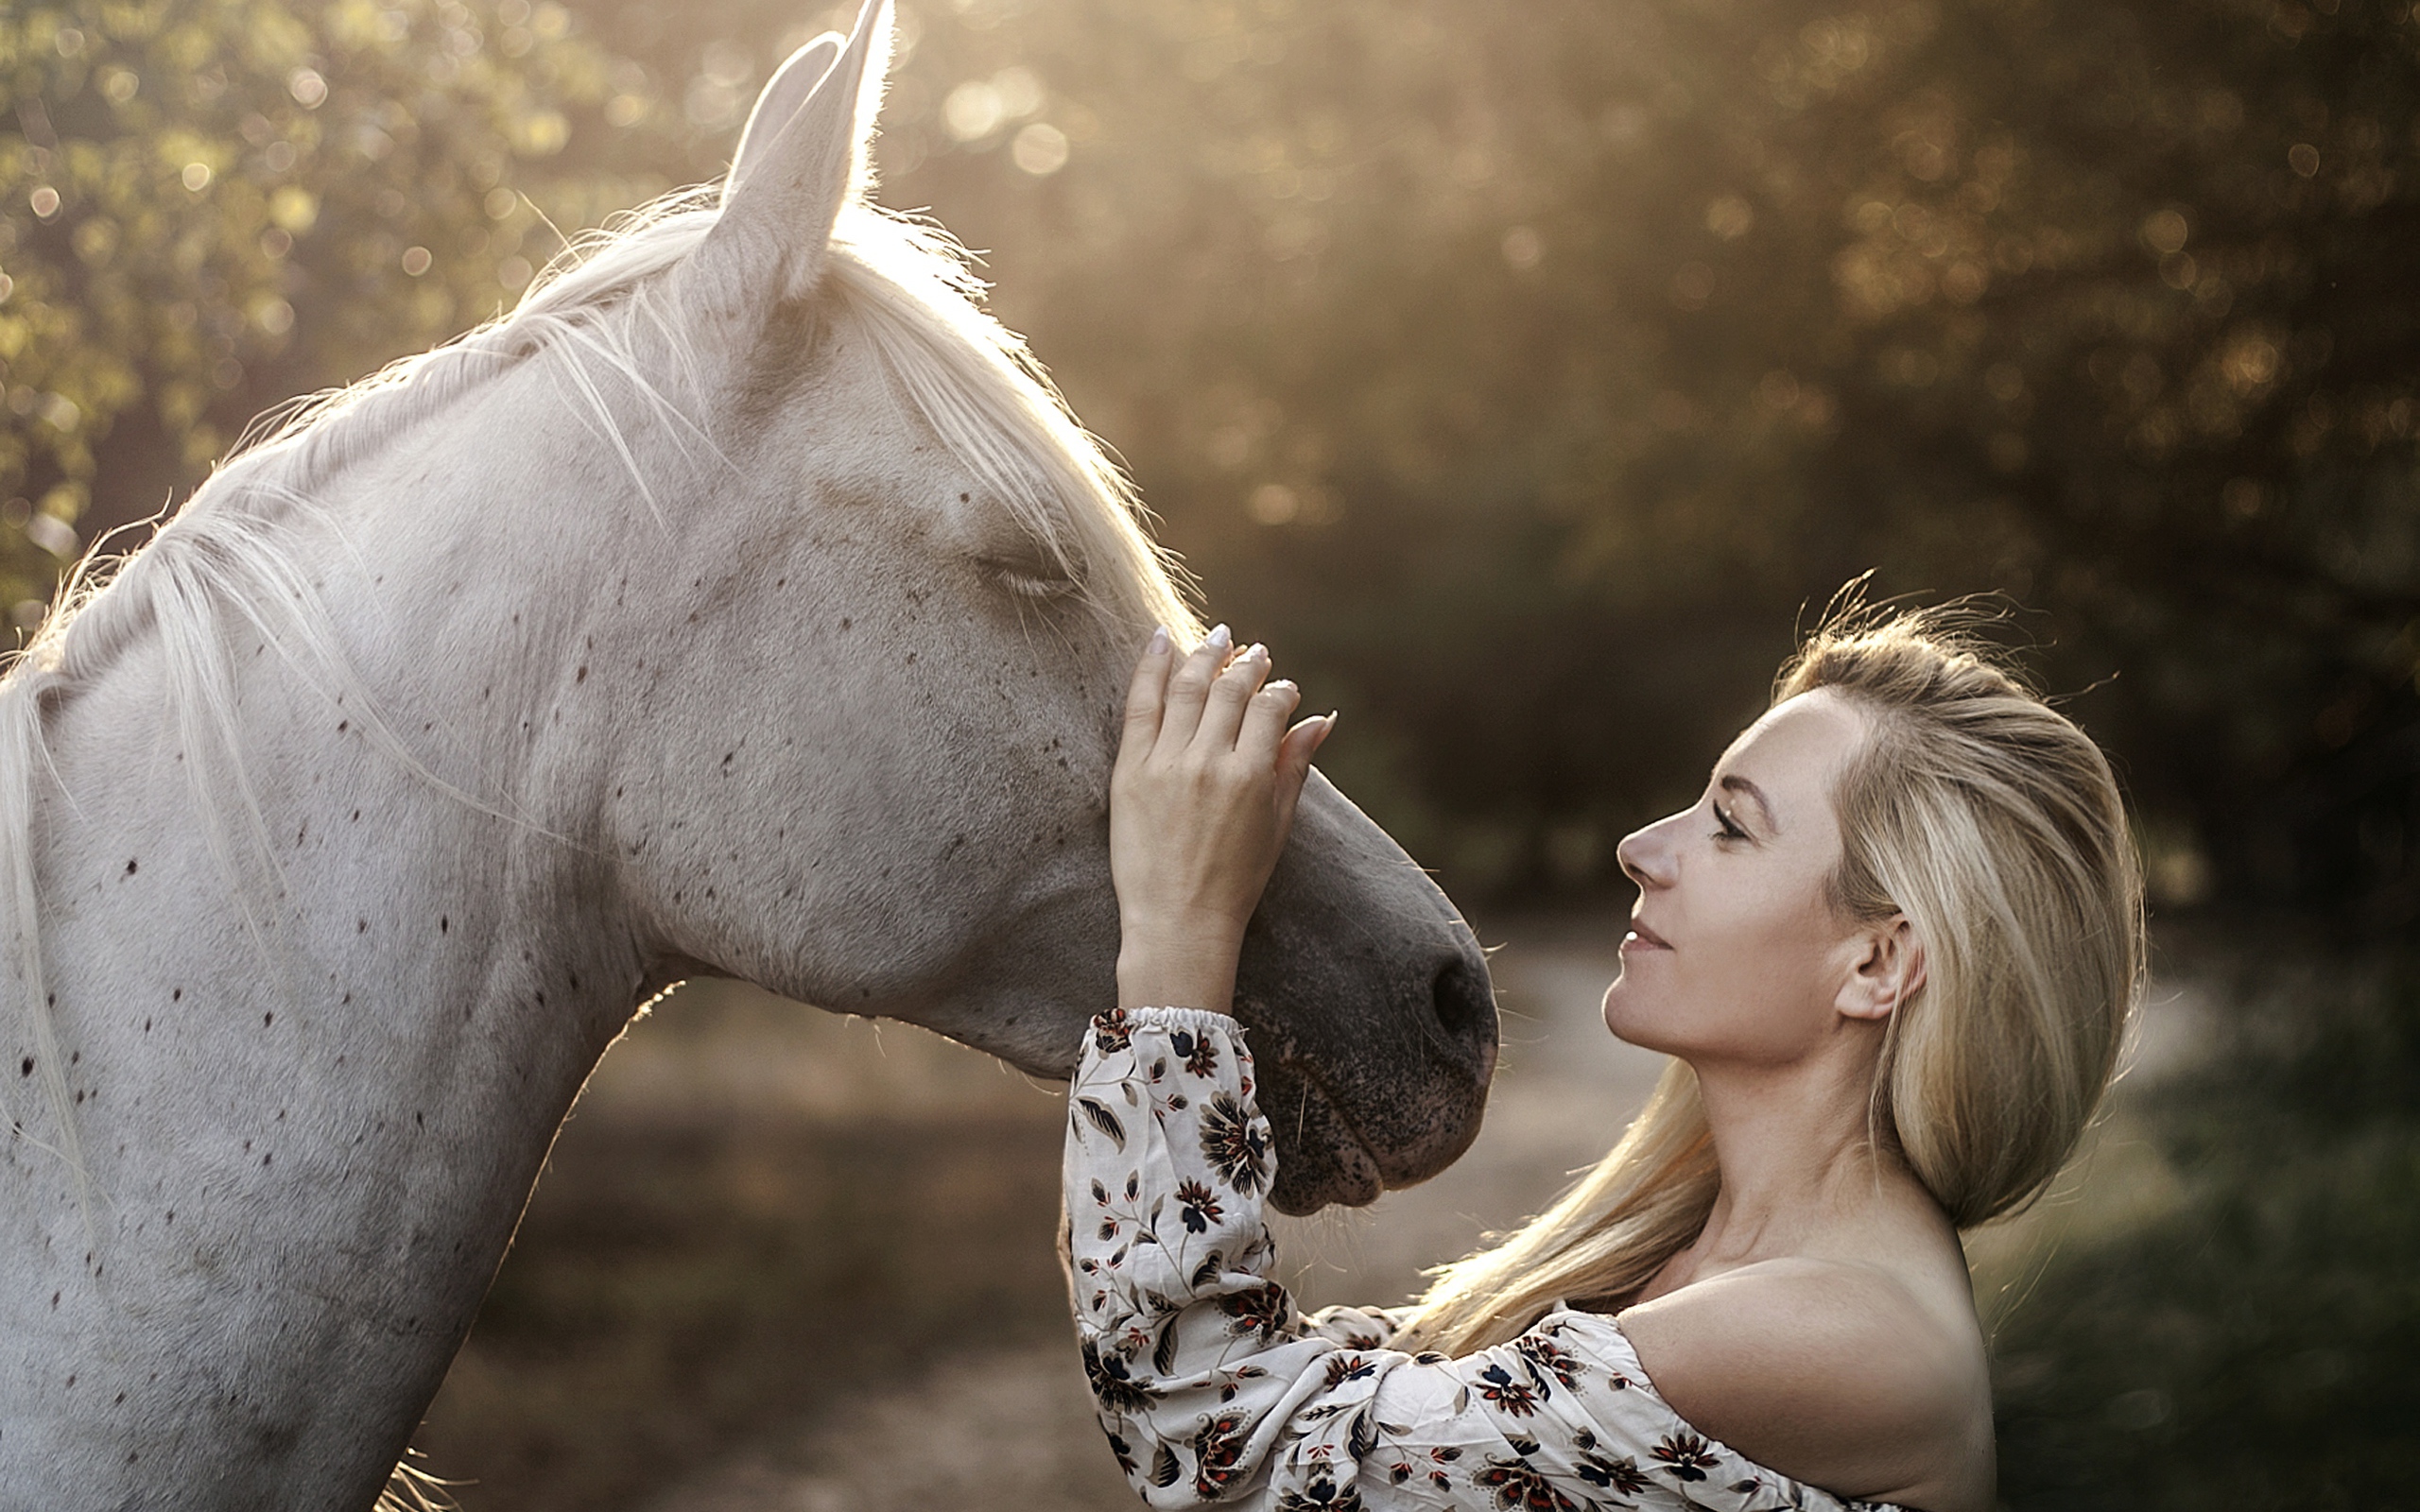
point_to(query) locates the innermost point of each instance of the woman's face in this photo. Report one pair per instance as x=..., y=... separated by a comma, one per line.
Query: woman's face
x=1735, y=952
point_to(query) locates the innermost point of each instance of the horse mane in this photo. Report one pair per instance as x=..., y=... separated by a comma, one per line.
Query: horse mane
x=226, y=560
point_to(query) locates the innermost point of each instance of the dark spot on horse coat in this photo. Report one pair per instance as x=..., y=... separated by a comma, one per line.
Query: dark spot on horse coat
x=582, y=675
x=265, y=1019
x=25, y=1067
x=129, y=868
x=176, y=994
x=444, y=924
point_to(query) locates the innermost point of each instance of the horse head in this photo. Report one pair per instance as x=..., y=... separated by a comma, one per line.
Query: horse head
x=921, y=589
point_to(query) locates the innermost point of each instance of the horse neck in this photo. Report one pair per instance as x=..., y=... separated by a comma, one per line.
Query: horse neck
x=351, y=1022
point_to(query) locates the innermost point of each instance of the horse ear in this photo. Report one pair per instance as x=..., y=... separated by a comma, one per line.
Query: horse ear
x=802, y=156
x=789, y=88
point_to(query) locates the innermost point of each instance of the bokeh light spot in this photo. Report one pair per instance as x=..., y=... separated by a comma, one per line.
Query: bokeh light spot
x=1040, y=149
x=1274, y=503
x=973, y=111
x=1729, y=217
x=2165, y=230
x=1020, y=91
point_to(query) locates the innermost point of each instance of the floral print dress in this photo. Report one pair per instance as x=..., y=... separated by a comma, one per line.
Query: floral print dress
x=1212, y=1387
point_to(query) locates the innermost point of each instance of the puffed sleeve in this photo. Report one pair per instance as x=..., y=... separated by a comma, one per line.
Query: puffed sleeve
x=1212, y=1387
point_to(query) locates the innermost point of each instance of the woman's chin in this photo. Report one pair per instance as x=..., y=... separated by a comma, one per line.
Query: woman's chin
x=1615, y=1011
x=1630, y=1020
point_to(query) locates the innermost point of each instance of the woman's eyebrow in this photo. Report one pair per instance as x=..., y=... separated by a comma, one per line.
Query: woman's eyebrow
x=1735, y=784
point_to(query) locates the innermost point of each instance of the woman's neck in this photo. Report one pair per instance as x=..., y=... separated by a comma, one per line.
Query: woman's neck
x=1794, y=1147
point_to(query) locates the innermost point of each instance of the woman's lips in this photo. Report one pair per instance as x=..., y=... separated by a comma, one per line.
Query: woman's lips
x=1643, y=938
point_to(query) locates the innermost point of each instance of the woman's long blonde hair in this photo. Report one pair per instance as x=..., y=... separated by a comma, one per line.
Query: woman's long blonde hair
x=1994, y=825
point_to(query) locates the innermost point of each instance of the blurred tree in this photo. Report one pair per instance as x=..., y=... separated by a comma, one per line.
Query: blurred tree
x=1523, y=373
x=210, y=204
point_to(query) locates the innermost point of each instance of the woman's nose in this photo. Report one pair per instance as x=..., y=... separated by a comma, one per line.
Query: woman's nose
x=1646, y=856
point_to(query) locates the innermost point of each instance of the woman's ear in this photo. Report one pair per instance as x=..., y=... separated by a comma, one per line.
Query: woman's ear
x=1890, y=969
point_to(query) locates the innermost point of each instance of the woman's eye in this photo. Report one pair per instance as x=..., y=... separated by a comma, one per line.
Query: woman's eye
x=1729, y=830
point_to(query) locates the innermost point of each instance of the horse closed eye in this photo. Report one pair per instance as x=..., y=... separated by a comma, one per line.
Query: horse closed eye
x=1031, y=578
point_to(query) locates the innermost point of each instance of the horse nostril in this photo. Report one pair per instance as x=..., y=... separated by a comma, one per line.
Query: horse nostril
x=1465, y=1003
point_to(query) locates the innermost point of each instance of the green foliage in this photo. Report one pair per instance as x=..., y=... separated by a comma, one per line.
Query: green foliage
x=206, y=205
x=2249, y=1348
x=1522, y=375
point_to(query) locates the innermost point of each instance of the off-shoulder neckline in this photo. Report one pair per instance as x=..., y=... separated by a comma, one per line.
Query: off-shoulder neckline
x=1634, y=1370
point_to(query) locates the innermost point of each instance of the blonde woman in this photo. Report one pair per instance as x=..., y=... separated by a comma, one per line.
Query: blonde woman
x=1891, y=949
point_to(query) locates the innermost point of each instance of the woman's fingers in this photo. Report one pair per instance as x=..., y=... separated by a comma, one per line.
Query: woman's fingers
x=1146, y=697
x=1222, y=712
x=1264, y=722
x=1294, y=753
x=1189, y=689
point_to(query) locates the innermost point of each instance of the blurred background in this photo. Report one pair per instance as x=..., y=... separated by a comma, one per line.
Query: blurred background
x=1523, y=373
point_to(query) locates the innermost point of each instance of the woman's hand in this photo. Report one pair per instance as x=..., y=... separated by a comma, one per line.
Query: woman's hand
x=1198, y=808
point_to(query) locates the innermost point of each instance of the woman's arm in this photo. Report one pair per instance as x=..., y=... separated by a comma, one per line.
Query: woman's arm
x=1212, y=1388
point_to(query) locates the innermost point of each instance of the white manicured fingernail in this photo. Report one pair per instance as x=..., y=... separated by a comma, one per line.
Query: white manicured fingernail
x=1219, y=637
x=1159, y=642
x=1255, y=652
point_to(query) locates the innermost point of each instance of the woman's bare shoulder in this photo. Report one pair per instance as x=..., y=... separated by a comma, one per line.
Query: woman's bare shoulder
x=1840, y=1374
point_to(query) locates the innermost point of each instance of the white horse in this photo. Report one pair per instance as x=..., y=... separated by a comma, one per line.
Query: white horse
x=744, y=602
